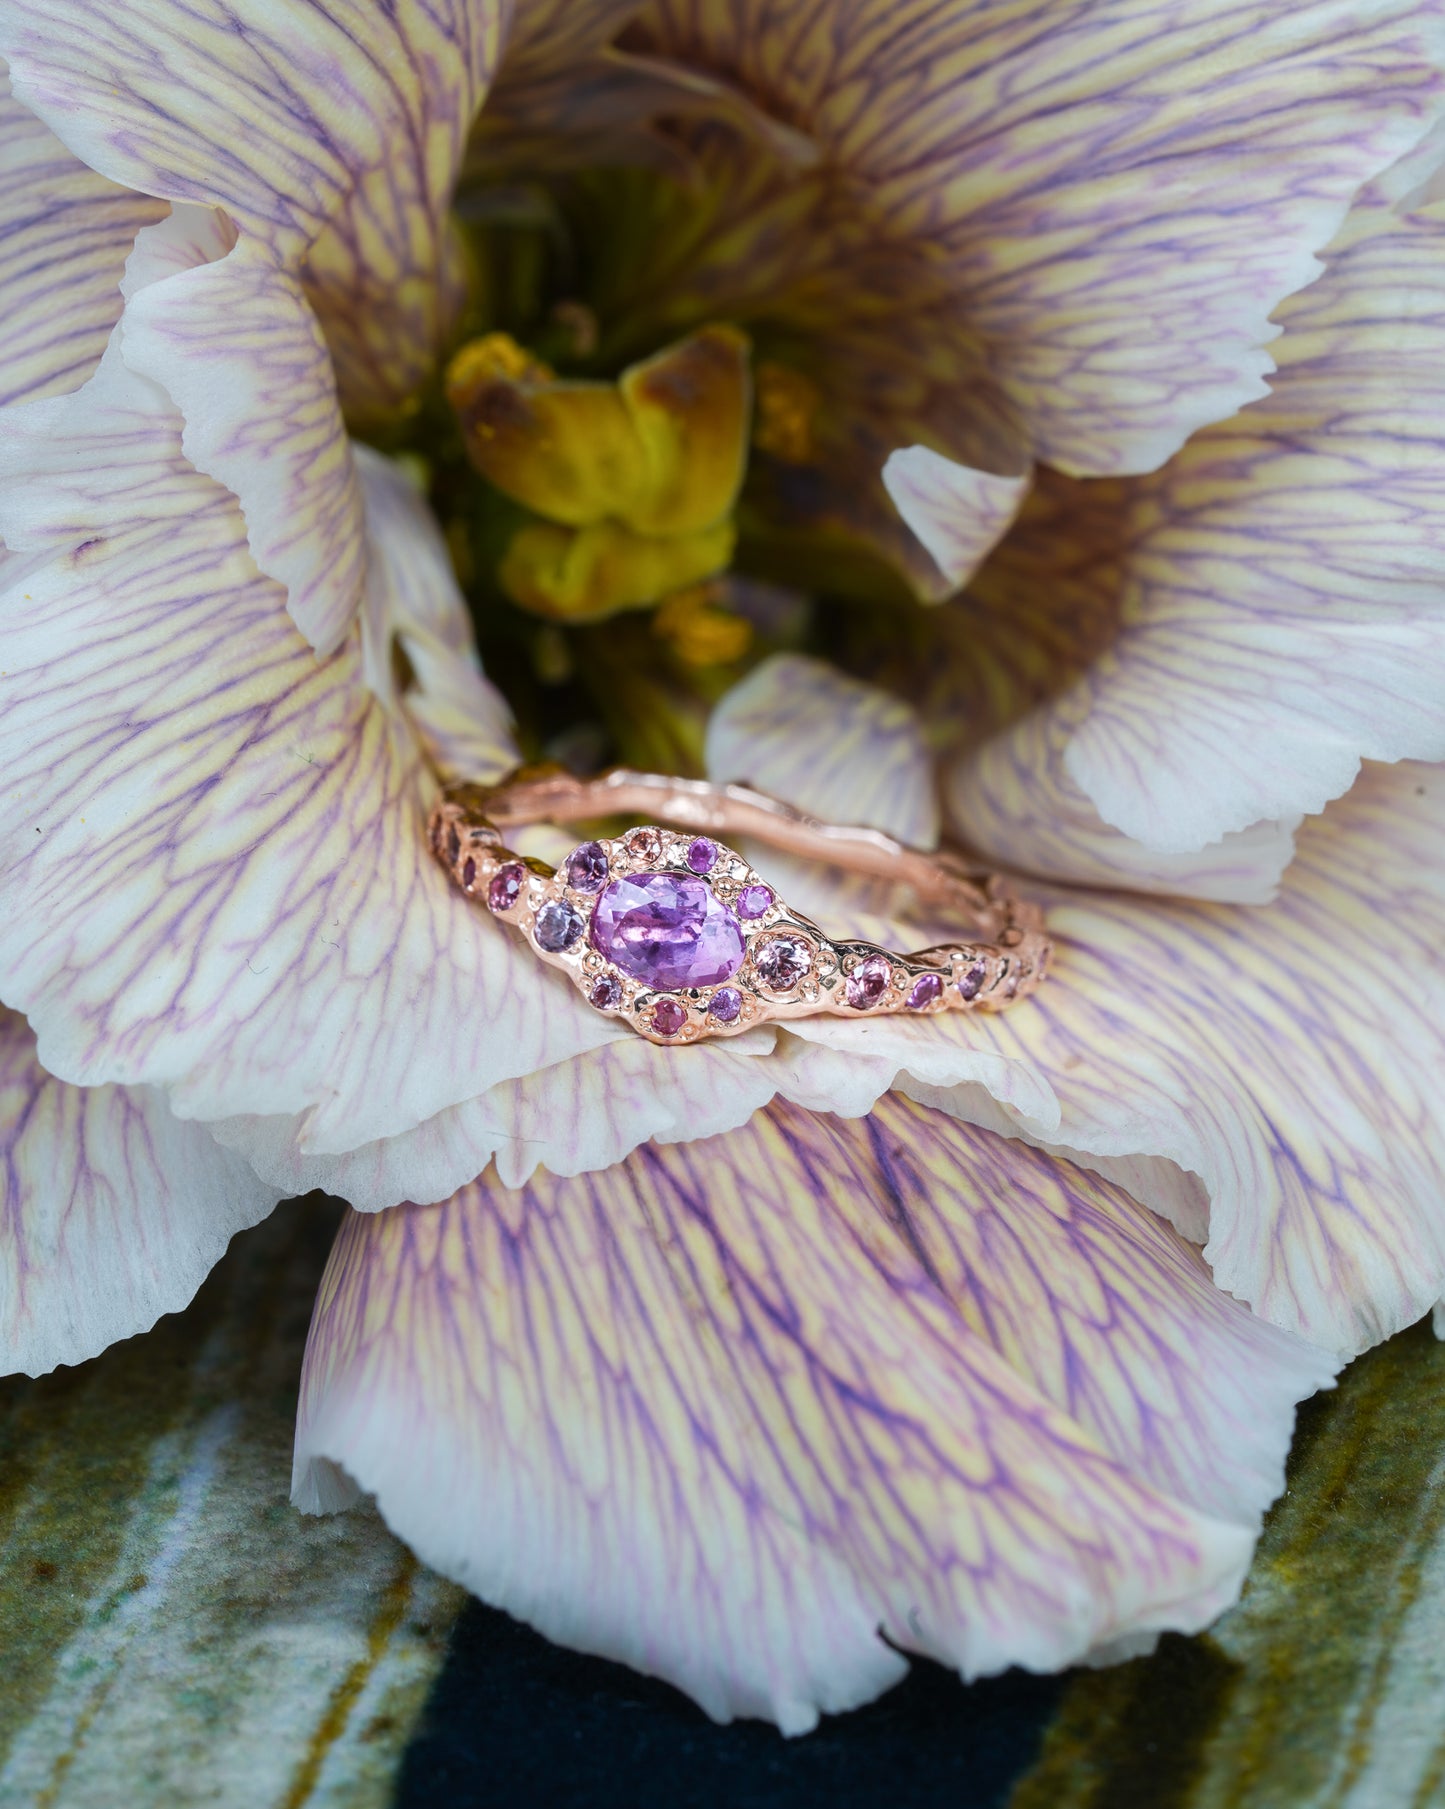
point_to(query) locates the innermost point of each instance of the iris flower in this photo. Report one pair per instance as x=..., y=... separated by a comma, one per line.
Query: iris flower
x=757, y=1365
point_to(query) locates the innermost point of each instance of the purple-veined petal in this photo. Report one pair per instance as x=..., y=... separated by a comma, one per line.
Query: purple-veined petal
x=596, y=1108
x=1282, y=582
x=330, y=135
x=845, y=751
x=849, y=751
x=330, y=132
x=1015, y=803
x=65, y=234
x=957, y=513
x=572, y=1117
x=414, y=616
x=114, y=1210
x=1287, y=1058
x=1111, y=199
x=235, y=345
x=216, y=876
x=731, y=1410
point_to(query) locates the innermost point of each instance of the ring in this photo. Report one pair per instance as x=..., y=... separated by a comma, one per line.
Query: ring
x=677, y=934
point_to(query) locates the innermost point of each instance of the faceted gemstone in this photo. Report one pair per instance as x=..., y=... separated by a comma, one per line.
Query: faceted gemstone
x=970, y=982
x=668, y=930
x=868, y=982
x=727, y=1002
x=557, y=927
x=702, y=855
x=926, y=988
x=469, y=873
x=506, y=886
x=782, y=961
x=668, y=1017
x=753, y=901
x=587, y=867
x=644, y=844
x=605, y=993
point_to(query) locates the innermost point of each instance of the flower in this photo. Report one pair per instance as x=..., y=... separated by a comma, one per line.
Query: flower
x=716, y=1359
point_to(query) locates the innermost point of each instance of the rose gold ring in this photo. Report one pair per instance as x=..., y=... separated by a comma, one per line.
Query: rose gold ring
x=677, y=934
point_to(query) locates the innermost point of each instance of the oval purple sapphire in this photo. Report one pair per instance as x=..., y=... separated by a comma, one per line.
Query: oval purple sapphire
x=668, y=931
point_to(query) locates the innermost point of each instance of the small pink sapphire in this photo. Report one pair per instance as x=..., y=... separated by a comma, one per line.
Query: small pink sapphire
x=587, y=867
x=469, y=873
x=605, y=993
x=668, y=1017
x=644, y=844
x=702, y=855
x=971, y=983
x=727, y=1002
x=753, y=901
x=781, y=961
x=506, y=886
x=868, y=982
x=926, y=988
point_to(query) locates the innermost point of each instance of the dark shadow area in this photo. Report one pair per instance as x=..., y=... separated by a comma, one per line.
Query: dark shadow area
x=514, y=1719
x=1162, y=1735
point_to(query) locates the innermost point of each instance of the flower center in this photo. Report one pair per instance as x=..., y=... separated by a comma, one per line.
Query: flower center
x=629, y=486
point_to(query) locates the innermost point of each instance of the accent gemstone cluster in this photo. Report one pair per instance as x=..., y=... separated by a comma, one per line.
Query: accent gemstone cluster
x=679, y=936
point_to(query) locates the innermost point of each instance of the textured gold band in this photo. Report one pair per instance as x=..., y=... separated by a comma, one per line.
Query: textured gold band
x=672, y=929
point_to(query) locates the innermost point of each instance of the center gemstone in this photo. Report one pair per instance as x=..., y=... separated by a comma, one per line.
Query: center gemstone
x=667, y=930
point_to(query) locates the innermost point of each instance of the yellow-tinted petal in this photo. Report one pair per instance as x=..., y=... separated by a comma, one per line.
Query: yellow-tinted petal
x=112, y=1210
x=1284, y=1061
x=1088, y=212
x=332, y=132
x=841, y=750
x=216, y=873
x=732, y=1410
x=65, y=234
x=690, y=406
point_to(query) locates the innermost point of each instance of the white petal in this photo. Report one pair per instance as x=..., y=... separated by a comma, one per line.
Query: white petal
x=844, y=751
x=65, y=234
x=1014, y=802
x=573, y=1117
x=959, y=514
x=1288, y=1058
x=412, y=604
x=731, y=1410
x=235, y=345
x=216, y=871
x=114, y=1210
x=1283, y=580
